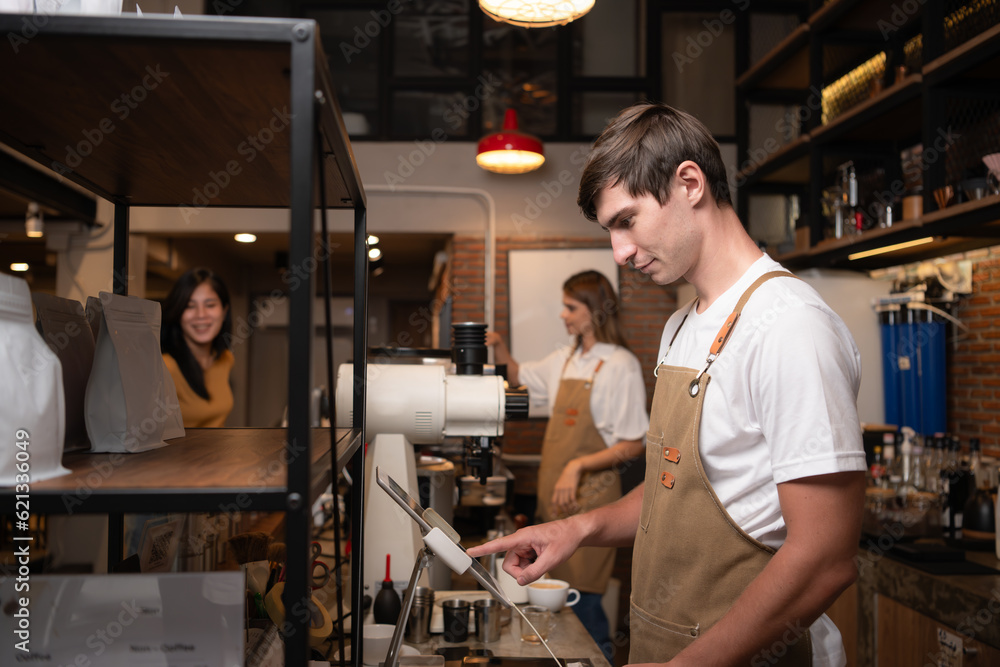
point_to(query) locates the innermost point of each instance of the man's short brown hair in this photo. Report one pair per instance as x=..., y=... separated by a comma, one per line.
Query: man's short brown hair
x=642, y=148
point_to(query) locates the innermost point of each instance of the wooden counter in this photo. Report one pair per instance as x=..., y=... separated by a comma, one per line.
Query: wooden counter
x=569, y=639
x=894, y=611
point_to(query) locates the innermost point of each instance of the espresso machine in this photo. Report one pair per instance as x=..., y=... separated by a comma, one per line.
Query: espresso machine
x=418, y=404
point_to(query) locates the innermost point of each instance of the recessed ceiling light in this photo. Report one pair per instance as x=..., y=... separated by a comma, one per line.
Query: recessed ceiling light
x=372, y=239
x=246, y=238
x=19, y=266
x=374, y=254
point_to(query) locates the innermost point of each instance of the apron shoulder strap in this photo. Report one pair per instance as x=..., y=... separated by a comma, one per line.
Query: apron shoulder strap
x=726, y=331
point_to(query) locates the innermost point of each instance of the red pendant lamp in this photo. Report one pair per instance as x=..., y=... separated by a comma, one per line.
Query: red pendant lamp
x=510, y=151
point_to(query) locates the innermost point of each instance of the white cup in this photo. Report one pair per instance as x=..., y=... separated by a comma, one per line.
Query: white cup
x=514, y=591
x=553, y=594
x=376, y=638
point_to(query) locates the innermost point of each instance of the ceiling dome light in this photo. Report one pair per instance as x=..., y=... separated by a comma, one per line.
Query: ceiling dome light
x=374, y=254
x=245, y=238
x=19, y=266
x=372, y=239
x=510, y=151
x=538, y=14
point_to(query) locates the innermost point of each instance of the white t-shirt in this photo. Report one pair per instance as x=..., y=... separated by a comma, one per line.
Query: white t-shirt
x=781, y=404
x=617, y=398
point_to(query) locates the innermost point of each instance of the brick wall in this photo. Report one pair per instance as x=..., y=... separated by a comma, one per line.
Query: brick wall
x=973, y=375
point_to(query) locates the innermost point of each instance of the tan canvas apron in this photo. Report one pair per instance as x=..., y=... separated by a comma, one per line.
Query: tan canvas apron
x=691, y=560
x=571, y=433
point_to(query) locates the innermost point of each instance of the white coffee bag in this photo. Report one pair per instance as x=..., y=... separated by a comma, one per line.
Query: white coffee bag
x=32, y=411
x=131, y=403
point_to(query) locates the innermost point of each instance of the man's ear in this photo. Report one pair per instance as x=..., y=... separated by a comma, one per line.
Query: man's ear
x=690, y=176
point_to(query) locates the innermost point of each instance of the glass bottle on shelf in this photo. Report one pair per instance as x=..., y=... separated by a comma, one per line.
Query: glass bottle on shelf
x=909, y=466
x=853, y=218
x=893, y=474
x=876, y=471
x=958, y=486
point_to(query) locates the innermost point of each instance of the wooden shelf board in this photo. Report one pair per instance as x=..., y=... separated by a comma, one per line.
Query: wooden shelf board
x=865, y=240
x=164, y=119
x=202, y=468
x=859, y=16
x=961, y=216
x=957, y=228
x=785, y=161
x=978, y=58
x=786, y=66
x=893, y=113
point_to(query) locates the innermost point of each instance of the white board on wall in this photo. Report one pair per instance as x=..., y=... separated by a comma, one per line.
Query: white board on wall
x=535, y=279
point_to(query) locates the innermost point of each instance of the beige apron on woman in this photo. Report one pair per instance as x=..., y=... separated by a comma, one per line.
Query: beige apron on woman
x=691, y=560
x=571, y=433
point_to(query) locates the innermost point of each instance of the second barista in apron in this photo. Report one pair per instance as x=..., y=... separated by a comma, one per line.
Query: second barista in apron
x=596, y=398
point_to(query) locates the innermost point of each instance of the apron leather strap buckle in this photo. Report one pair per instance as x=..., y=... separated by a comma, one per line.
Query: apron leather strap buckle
x=667, y=480
x=672, y=454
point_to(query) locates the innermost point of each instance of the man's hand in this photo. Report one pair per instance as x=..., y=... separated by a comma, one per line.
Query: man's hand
x=535, y=550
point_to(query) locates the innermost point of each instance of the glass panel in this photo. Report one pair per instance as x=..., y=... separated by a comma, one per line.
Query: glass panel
x=520, y=72
x=592, y=111
x=698, y=67
x=432, y=39
x=608, y=41
x=353, y=54
x=432, y=115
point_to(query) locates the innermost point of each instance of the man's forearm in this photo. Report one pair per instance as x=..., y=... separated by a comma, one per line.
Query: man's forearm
x=613, y=525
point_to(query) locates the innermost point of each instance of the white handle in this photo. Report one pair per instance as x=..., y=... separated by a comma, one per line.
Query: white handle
x=452, y=554
x=570, y=600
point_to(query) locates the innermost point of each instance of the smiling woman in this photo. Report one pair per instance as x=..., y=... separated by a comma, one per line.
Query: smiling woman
x=194, y=341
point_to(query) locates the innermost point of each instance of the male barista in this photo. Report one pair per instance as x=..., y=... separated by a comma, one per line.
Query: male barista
x=749, y=518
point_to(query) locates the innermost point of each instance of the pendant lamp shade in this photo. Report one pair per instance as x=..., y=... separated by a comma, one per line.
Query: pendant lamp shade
x=536, y=14
x=510, y=151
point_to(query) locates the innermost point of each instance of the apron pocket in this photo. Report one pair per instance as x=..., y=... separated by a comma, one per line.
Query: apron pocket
x=654, y=461
x=653, y=639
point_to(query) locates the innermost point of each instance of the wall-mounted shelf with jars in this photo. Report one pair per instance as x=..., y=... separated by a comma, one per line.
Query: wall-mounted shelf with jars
x=853, y=88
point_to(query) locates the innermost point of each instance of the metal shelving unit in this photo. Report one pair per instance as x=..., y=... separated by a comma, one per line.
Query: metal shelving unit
x=152, y=111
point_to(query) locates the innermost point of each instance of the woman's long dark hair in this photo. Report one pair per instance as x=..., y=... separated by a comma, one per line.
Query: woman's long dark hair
x=172, y=337
x=595, y=291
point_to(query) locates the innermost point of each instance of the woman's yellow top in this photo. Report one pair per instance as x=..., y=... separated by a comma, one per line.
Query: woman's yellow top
x=195, y=410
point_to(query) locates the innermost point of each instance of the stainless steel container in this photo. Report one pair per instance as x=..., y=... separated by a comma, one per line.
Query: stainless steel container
x=418, y=623
x=487, y=613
